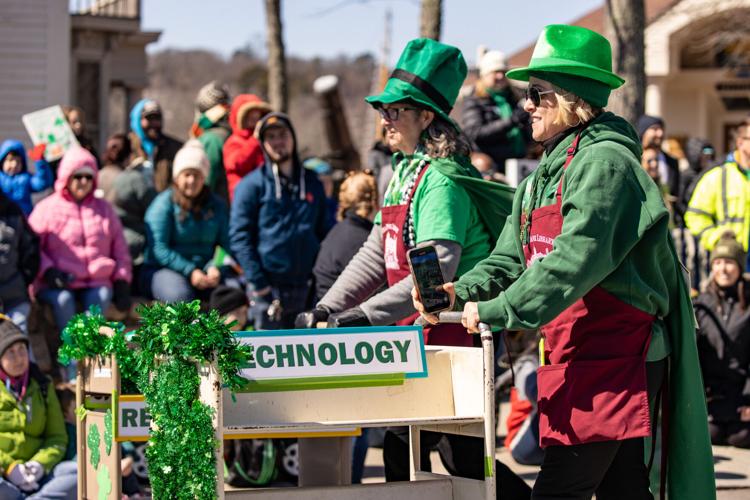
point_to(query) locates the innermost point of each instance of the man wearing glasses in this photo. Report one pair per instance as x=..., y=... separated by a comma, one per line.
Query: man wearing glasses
x=720, y=202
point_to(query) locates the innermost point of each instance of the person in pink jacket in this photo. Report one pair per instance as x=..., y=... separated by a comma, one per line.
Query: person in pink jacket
x=84, y=256
x=242, y=151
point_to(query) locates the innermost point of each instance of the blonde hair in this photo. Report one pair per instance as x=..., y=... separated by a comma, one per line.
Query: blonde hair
x=573, y=110
x=358, y=192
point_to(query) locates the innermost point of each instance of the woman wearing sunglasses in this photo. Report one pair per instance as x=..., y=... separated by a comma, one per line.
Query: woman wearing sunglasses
x=586, y=257
x=425, y=204
x=84, y=252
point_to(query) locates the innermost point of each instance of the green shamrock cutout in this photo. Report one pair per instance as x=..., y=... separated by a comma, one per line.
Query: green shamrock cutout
x=108, y=432
x=104, y=482
x=93, y=441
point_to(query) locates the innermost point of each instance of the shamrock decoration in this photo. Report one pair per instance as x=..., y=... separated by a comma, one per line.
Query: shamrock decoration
x=104, y=482
x=93, y=441
x=108, y=431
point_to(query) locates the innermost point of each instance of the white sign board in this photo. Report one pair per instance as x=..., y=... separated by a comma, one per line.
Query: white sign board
x=517, y=170
x=49, y=126
x=335, y=352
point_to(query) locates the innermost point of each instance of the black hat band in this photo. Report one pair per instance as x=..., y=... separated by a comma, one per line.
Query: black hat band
x=426, y=88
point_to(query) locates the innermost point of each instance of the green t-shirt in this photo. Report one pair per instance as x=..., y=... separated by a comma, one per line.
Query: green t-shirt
x=437, y=196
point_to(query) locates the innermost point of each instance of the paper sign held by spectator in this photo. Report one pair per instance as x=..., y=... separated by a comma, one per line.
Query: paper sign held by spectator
x=50, y=127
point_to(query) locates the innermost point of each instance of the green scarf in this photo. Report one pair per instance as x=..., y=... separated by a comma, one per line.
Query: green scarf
x=504, y=107
x=405, y=171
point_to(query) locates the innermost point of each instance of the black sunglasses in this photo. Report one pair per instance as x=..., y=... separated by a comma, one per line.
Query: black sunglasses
x=79, y=177
x=392, y=114
x=534, y=94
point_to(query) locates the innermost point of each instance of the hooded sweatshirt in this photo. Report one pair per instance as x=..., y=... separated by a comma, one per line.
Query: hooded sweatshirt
x=20, y=186
x=19, y=253
x=614, y=235
x=242, y=151
x=277, y=224
x=82, y=238
x=158, y=154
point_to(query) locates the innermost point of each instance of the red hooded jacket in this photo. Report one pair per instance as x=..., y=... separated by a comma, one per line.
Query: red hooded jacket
x=242, y=151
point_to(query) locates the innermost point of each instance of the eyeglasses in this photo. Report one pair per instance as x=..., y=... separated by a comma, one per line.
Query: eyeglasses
x=392, y=114
x=535, y=94
x=80, y=177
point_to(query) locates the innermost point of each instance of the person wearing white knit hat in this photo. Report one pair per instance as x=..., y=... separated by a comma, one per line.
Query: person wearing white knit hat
x=185, y=224
x=492, y=117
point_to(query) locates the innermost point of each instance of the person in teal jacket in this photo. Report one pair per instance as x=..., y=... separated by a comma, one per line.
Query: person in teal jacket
x=184, y=225
x=586, y=257
x=33, y=438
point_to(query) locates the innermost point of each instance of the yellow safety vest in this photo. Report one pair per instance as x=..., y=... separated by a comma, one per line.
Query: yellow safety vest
x=720, y=203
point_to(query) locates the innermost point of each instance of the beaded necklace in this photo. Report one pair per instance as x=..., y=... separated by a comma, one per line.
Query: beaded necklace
x=399, y=190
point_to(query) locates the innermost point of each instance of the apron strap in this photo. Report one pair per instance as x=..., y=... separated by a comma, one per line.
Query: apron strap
x=572, y=150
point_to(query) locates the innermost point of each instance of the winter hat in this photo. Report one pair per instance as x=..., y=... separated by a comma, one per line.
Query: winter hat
x=428, y=73
x=151, y=108
x=226, y=299
x=10, y=334
x=210, y=95
x=269, y=121
x=492, y=61
x=191, y=155
x=575, y=59
x=647, y=121
x=729, y=248
x=318, y=165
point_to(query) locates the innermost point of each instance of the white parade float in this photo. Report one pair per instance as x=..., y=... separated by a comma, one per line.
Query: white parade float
x=307, y=383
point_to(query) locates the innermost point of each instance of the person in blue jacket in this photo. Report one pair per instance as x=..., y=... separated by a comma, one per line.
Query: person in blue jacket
x=278, y=219
x=15, y=179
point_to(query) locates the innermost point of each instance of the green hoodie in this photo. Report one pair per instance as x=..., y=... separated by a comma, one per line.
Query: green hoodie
x=42, y=437
x=615, y=234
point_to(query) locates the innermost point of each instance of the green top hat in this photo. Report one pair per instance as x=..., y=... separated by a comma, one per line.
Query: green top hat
x=576, y=59
x=429, y=73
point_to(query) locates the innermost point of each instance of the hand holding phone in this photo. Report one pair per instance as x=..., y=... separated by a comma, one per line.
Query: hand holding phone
x=428, y=279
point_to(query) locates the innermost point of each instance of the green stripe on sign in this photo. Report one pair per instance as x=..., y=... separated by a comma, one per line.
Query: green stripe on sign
x=313, y=383
x=489, y=466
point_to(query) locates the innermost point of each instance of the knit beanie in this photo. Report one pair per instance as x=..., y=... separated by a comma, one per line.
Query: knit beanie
x=272, y=120
x=226, y=299
x=10, y=334
x=645, y=122
x=491, y=61
x=593, y=92
x=210, y=95
x=729, y=248
x=191, y=155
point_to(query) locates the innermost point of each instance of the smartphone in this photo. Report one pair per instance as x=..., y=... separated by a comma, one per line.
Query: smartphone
x=425, y=270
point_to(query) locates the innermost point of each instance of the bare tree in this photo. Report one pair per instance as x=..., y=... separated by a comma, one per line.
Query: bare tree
x=277, y=81
x=431, y=19
x=625, y=25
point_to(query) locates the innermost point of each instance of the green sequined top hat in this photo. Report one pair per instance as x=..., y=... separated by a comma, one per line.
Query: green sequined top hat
x=575, y=59
x=428, y=73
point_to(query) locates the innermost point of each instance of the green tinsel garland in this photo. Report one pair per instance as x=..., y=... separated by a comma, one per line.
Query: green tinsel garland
x=169, y=344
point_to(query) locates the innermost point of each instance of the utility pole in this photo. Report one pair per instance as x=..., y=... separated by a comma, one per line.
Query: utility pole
x=431, y=19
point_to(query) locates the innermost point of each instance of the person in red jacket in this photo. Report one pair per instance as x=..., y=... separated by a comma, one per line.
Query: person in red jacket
x=242, y=151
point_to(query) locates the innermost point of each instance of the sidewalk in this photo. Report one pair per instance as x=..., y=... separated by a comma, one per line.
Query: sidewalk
x=732, y=467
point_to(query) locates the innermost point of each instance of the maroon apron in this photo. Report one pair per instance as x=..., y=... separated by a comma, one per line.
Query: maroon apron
x=393, y=222
x=592, y=386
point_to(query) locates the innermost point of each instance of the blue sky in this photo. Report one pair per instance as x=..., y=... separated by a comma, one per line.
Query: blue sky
x=331, y=27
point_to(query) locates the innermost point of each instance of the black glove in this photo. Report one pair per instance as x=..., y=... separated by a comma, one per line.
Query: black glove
x=351, y=317
x=56, y=278
x=121, y=295
x=519, y=117
x=309, y=319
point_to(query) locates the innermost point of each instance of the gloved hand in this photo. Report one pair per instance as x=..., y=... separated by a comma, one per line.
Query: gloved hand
x=22, y=478
x=351, y=317
x=35, y=469
x=121, y=295
x=519, y=117
x=309, y=319
x=38, y=152
x=56, y=278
